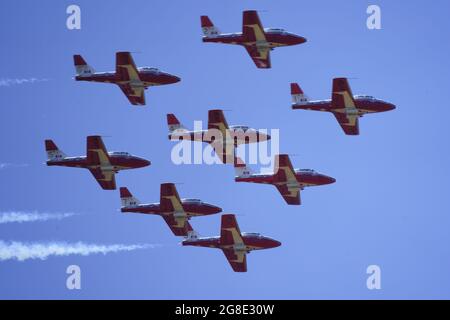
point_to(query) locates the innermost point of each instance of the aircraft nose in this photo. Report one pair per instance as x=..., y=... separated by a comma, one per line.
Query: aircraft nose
x=328, y=180
x=263, y=136
x=274, y=243
x=143, y=163
x=300, y=40
x=172, y=79
x=215, y=209
x=390, y=106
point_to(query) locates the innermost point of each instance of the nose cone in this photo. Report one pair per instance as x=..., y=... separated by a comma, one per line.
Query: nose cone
x=142, y=163
x=170, y=78
x=274, y=243
x=216, y=209
x=212, y=209
x=299, y=40
x=389, y=106
x=327, y=180
x=263, y=136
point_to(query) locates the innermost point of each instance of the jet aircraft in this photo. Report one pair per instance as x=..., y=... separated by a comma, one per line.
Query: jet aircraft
x=234, y=244
x=286, y=179
x=131, y=80
x=254, y=38
x=222, y=137
x=175, y=211
x=343, y=105
x=102, y=164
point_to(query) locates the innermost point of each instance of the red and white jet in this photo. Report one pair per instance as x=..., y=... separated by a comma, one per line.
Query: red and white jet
x=234, y=244
x=254, y=38
x=175, y=211
x=286, y=179
x=102, y=164
x=222, y=137
x=130, y=79
x=344, y=106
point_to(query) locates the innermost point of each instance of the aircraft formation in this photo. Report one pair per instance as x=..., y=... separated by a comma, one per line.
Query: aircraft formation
x=224, y=139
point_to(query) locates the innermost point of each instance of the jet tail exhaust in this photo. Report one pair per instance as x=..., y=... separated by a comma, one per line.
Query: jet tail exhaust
x=128, y=200
x=81, y=67
x=53, y=152
x=208, y=28
x=297, y=94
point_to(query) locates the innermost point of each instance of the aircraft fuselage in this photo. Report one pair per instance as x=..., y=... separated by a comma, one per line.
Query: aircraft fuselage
x=236, y=137
x=189, y=208
x=305, y=178
x=118, y=162
x=251, y=242
x=362, y=106
x=147, y=78
x=273, y=39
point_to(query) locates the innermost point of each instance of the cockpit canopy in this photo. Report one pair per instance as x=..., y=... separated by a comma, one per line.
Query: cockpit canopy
x=152, y=69
x=274, y=30
x=119, y=153
x=365, y=97
x=191, y=200
x=251, y=234
x=306, y=170
x=239, y=127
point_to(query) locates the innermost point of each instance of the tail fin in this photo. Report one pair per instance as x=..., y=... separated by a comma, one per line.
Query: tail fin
x=173, y=123
x=81, y=67
x=240, y=168
x=53, y=152
x=127, y=198
x=209, y=30
x=298, y=97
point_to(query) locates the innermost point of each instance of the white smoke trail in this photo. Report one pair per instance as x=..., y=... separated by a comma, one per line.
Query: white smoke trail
x=10, y=82
x=12, y=165
x=20, y=216
x=21, y=251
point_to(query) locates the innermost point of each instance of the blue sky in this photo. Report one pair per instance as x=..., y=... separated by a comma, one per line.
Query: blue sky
x=389, y=206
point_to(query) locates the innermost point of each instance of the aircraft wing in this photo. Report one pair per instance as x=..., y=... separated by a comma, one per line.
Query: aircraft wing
x=96, y=153
x=343, y=103
x=169, y=198
x=253, y=32
x=285, y=174
x=237, y=259
x=226, y=155
x=216, y=120
x=229, y=231
x=261, y=57
x=125, y=67
x=349, y=123
x=252, y=29
x=135, y=95
x=230, y=236
x=342, y=96
x=106, y=179
x=180, y=226
x=290, y=195
x=283, y=169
